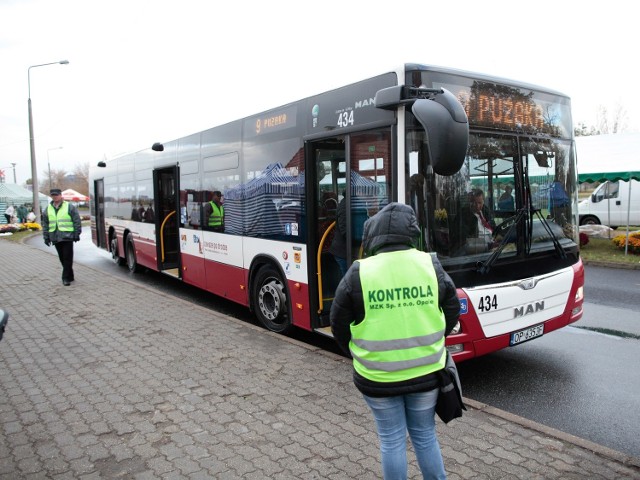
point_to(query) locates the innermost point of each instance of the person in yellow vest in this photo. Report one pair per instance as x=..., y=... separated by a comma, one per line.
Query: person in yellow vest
x=61, y=226
x=391, y=314
x=214, y=212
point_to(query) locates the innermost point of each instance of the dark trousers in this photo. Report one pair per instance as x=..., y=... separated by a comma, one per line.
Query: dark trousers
x=65, y=254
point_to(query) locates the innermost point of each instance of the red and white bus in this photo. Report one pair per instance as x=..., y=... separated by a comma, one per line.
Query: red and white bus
x=401, y=136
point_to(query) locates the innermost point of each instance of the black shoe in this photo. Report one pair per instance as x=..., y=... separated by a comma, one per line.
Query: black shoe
x=66, y=283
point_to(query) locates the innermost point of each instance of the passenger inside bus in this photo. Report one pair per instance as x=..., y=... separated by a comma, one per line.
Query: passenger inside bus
x=149, y=216
x=338, y=246
x=506, y=202
x=477, y=224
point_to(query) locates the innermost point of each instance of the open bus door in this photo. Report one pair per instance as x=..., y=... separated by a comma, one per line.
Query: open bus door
x=356, y=187
x=167, y=218
x=100, y=239
x=328, y=162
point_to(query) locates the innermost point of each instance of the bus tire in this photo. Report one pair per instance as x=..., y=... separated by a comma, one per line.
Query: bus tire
x=115, y=256
x=269, y=296
x=589, y=220
x=130, y=251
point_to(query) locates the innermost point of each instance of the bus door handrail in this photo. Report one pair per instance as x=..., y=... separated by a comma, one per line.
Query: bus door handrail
x=319, y=260
x=162, y=234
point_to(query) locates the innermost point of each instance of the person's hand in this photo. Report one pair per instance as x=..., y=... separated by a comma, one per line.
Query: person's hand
x=47, y=242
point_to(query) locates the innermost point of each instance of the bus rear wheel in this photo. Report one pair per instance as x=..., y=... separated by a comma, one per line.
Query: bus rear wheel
x=130, y=250
x=270, y=300
x=115, y=256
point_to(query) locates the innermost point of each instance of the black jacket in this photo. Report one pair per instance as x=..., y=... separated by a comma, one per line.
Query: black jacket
x=393, y=228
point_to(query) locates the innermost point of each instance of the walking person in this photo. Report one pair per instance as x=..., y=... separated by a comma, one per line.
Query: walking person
x=391, y=313
x=61, y=225
x=9, y=213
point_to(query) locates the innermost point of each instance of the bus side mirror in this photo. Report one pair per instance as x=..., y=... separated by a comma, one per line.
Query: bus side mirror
x=447, y=128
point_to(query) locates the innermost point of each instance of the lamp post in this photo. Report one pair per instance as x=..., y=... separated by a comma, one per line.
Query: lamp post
x=14, y=173
x=34, y=167
x=49, y=164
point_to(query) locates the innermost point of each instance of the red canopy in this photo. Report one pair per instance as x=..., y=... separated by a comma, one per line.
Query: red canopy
x=71, y=195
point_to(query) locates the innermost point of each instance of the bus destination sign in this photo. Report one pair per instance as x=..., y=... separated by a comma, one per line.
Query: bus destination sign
x=270, y=122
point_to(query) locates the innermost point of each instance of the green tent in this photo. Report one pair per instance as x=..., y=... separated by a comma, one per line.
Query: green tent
x=12, y=194
x=608, y=176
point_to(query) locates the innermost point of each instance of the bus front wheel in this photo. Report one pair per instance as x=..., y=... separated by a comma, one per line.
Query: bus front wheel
x=270, y=300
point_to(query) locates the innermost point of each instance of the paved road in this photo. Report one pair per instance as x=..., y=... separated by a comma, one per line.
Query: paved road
x=104, y=380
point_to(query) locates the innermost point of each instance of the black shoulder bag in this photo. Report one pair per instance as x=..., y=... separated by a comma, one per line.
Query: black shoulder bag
x=449, y=404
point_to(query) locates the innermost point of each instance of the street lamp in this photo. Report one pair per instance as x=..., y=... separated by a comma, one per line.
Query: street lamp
x=14, y=173
x=34, y=167
x=49, y=165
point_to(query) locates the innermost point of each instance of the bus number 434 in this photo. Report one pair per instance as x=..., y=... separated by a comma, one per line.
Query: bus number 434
x=345, y=119
x=488, y=303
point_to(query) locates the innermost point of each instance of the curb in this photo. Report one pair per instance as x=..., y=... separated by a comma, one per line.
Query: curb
x=625, y=266
x=599, y=450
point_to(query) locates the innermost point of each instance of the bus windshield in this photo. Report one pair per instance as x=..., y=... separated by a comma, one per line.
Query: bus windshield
x=476, y=210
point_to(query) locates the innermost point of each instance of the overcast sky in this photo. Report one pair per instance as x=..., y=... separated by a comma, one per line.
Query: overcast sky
x=142, y=71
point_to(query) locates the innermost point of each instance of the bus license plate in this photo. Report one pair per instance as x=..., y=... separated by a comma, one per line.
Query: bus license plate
x=526, y=334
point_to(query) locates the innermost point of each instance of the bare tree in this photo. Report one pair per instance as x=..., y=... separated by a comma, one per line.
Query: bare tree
x=78, y=180
x=614, y=122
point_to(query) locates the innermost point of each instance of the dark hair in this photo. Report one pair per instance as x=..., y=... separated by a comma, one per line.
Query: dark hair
x=217, y=193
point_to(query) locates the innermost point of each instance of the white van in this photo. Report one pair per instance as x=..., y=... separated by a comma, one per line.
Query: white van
x=610, y=205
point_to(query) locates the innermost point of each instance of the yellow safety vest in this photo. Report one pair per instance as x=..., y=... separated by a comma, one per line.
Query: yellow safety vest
x=60, y=220
x=217, y=215
x=402, y=333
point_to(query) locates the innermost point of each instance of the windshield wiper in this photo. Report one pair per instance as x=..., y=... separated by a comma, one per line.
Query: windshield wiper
x=556, y=243
x=529, y=212
x=515, y=219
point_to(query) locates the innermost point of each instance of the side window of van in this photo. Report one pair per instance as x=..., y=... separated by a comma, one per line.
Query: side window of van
x=605, y=191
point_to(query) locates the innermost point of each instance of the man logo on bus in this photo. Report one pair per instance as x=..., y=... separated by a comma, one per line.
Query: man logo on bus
x=528, y=309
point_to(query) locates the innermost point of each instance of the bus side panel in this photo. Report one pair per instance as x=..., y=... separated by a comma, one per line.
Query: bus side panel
x=146, y=253
x=227, y=281
x=301, y=314
x=193, y=270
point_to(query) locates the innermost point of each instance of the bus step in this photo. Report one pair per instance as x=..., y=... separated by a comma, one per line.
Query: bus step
x=324, y=331
x=173, y=272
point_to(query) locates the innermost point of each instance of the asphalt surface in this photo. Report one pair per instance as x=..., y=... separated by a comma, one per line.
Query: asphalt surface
x=108, y=379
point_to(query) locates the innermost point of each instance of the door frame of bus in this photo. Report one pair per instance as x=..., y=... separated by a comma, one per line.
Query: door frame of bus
x=166, y=208
x=320, y=317
x=98, y=204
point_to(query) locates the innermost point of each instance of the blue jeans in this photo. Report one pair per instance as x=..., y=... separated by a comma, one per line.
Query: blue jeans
x=414, y=412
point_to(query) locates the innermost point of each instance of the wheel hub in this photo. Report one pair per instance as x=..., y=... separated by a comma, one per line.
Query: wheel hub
x=271, y=300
